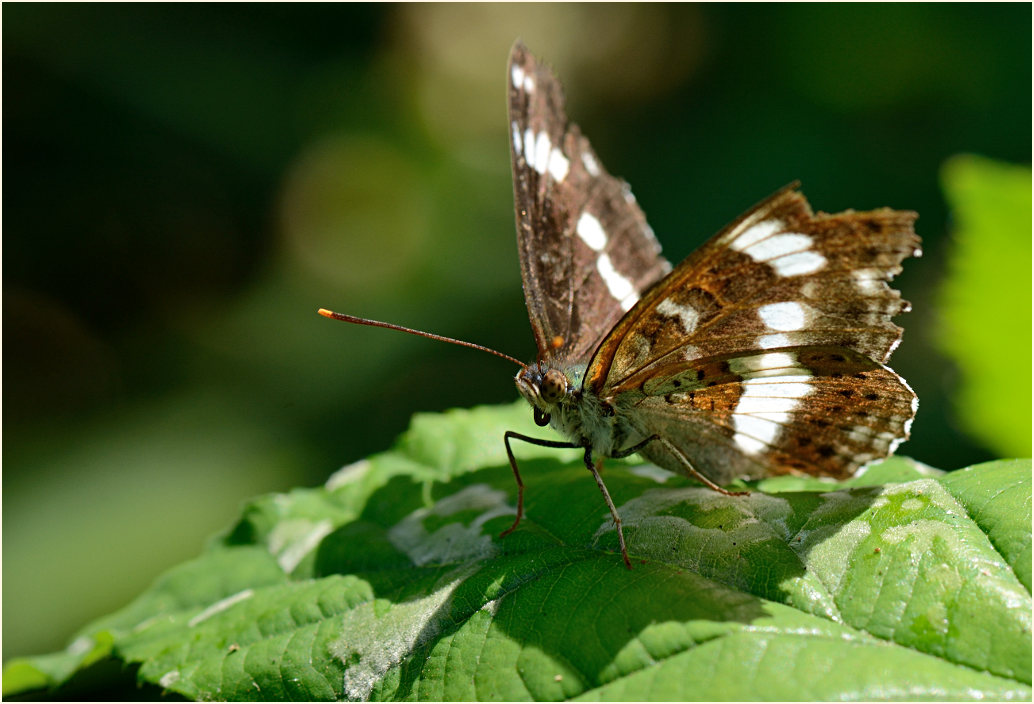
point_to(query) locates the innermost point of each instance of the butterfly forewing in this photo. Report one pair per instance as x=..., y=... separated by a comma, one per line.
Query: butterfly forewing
x=780, y=276
x=586, y=251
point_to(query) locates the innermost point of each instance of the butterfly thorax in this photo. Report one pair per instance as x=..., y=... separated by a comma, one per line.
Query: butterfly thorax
x=557, y=398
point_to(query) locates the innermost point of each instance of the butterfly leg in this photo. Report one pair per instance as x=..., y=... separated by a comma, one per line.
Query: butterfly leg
x=690, y=468
x=507, y=436
x=610, y=503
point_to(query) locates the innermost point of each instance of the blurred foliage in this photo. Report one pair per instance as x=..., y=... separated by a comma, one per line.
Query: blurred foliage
x=186, y=184
x=988, y=334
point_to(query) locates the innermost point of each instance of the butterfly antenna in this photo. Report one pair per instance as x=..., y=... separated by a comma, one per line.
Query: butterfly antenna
x=441, y=338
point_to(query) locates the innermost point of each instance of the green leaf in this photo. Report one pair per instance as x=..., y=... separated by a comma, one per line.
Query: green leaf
x=391, y=583
x=986, y=324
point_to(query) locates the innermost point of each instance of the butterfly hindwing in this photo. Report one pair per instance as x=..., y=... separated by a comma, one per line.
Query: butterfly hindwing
x=587, y=253
x=813, y=410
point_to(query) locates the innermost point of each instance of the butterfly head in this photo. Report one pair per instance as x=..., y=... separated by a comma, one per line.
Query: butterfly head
x=545, y=388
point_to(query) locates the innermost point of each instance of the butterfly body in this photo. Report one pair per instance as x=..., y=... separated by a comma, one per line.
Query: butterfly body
x=587, y=421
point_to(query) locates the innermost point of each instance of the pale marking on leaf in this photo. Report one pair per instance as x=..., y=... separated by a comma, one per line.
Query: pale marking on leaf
x=912, y=505
x=221, y=605
x=826, y=550
x=591, y=232
x=169, y=678
x=381, y=634
x=80, y=646
x=919, y=537
x=292, y=539
x=348, y=474
x=772, y=509
x=756, y=518
x=452, y=542
x=819, y=633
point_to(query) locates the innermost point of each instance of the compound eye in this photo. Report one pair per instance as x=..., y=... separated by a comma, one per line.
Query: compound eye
x=541, y=418
x=554, y=386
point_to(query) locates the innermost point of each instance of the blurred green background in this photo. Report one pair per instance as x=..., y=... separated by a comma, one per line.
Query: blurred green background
x=186, y=185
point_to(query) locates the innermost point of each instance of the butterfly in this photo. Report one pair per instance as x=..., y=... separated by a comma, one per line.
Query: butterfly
x=763, y=353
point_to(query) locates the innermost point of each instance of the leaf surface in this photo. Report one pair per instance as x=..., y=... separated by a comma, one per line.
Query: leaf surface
x=391, y=583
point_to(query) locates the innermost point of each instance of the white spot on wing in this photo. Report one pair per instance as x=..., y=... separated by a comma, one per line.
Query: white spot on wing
x=773, y=396
x=619, y=287
x=591, y=232
x=768, y=342
x=786, y=316
x=518, y=145
x=685, y=313
x=763, y=409
x=628, y=301
x=762, y=365
x=789, y=253
x=755, y=233
x=867, y=280
x=590, y=164
x=558, y=165
x=529, y=147
x=542, y=147
x=517, y=76
x=798, y=264
x=779, y=246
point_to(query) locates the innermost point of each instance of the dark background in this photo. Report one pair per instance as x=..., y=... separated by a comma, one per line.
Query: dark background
x=186, y=185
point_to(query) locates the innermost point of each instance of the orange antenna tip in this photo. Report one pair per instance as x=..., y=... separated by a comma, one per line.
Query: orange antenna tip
x=391, y=326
